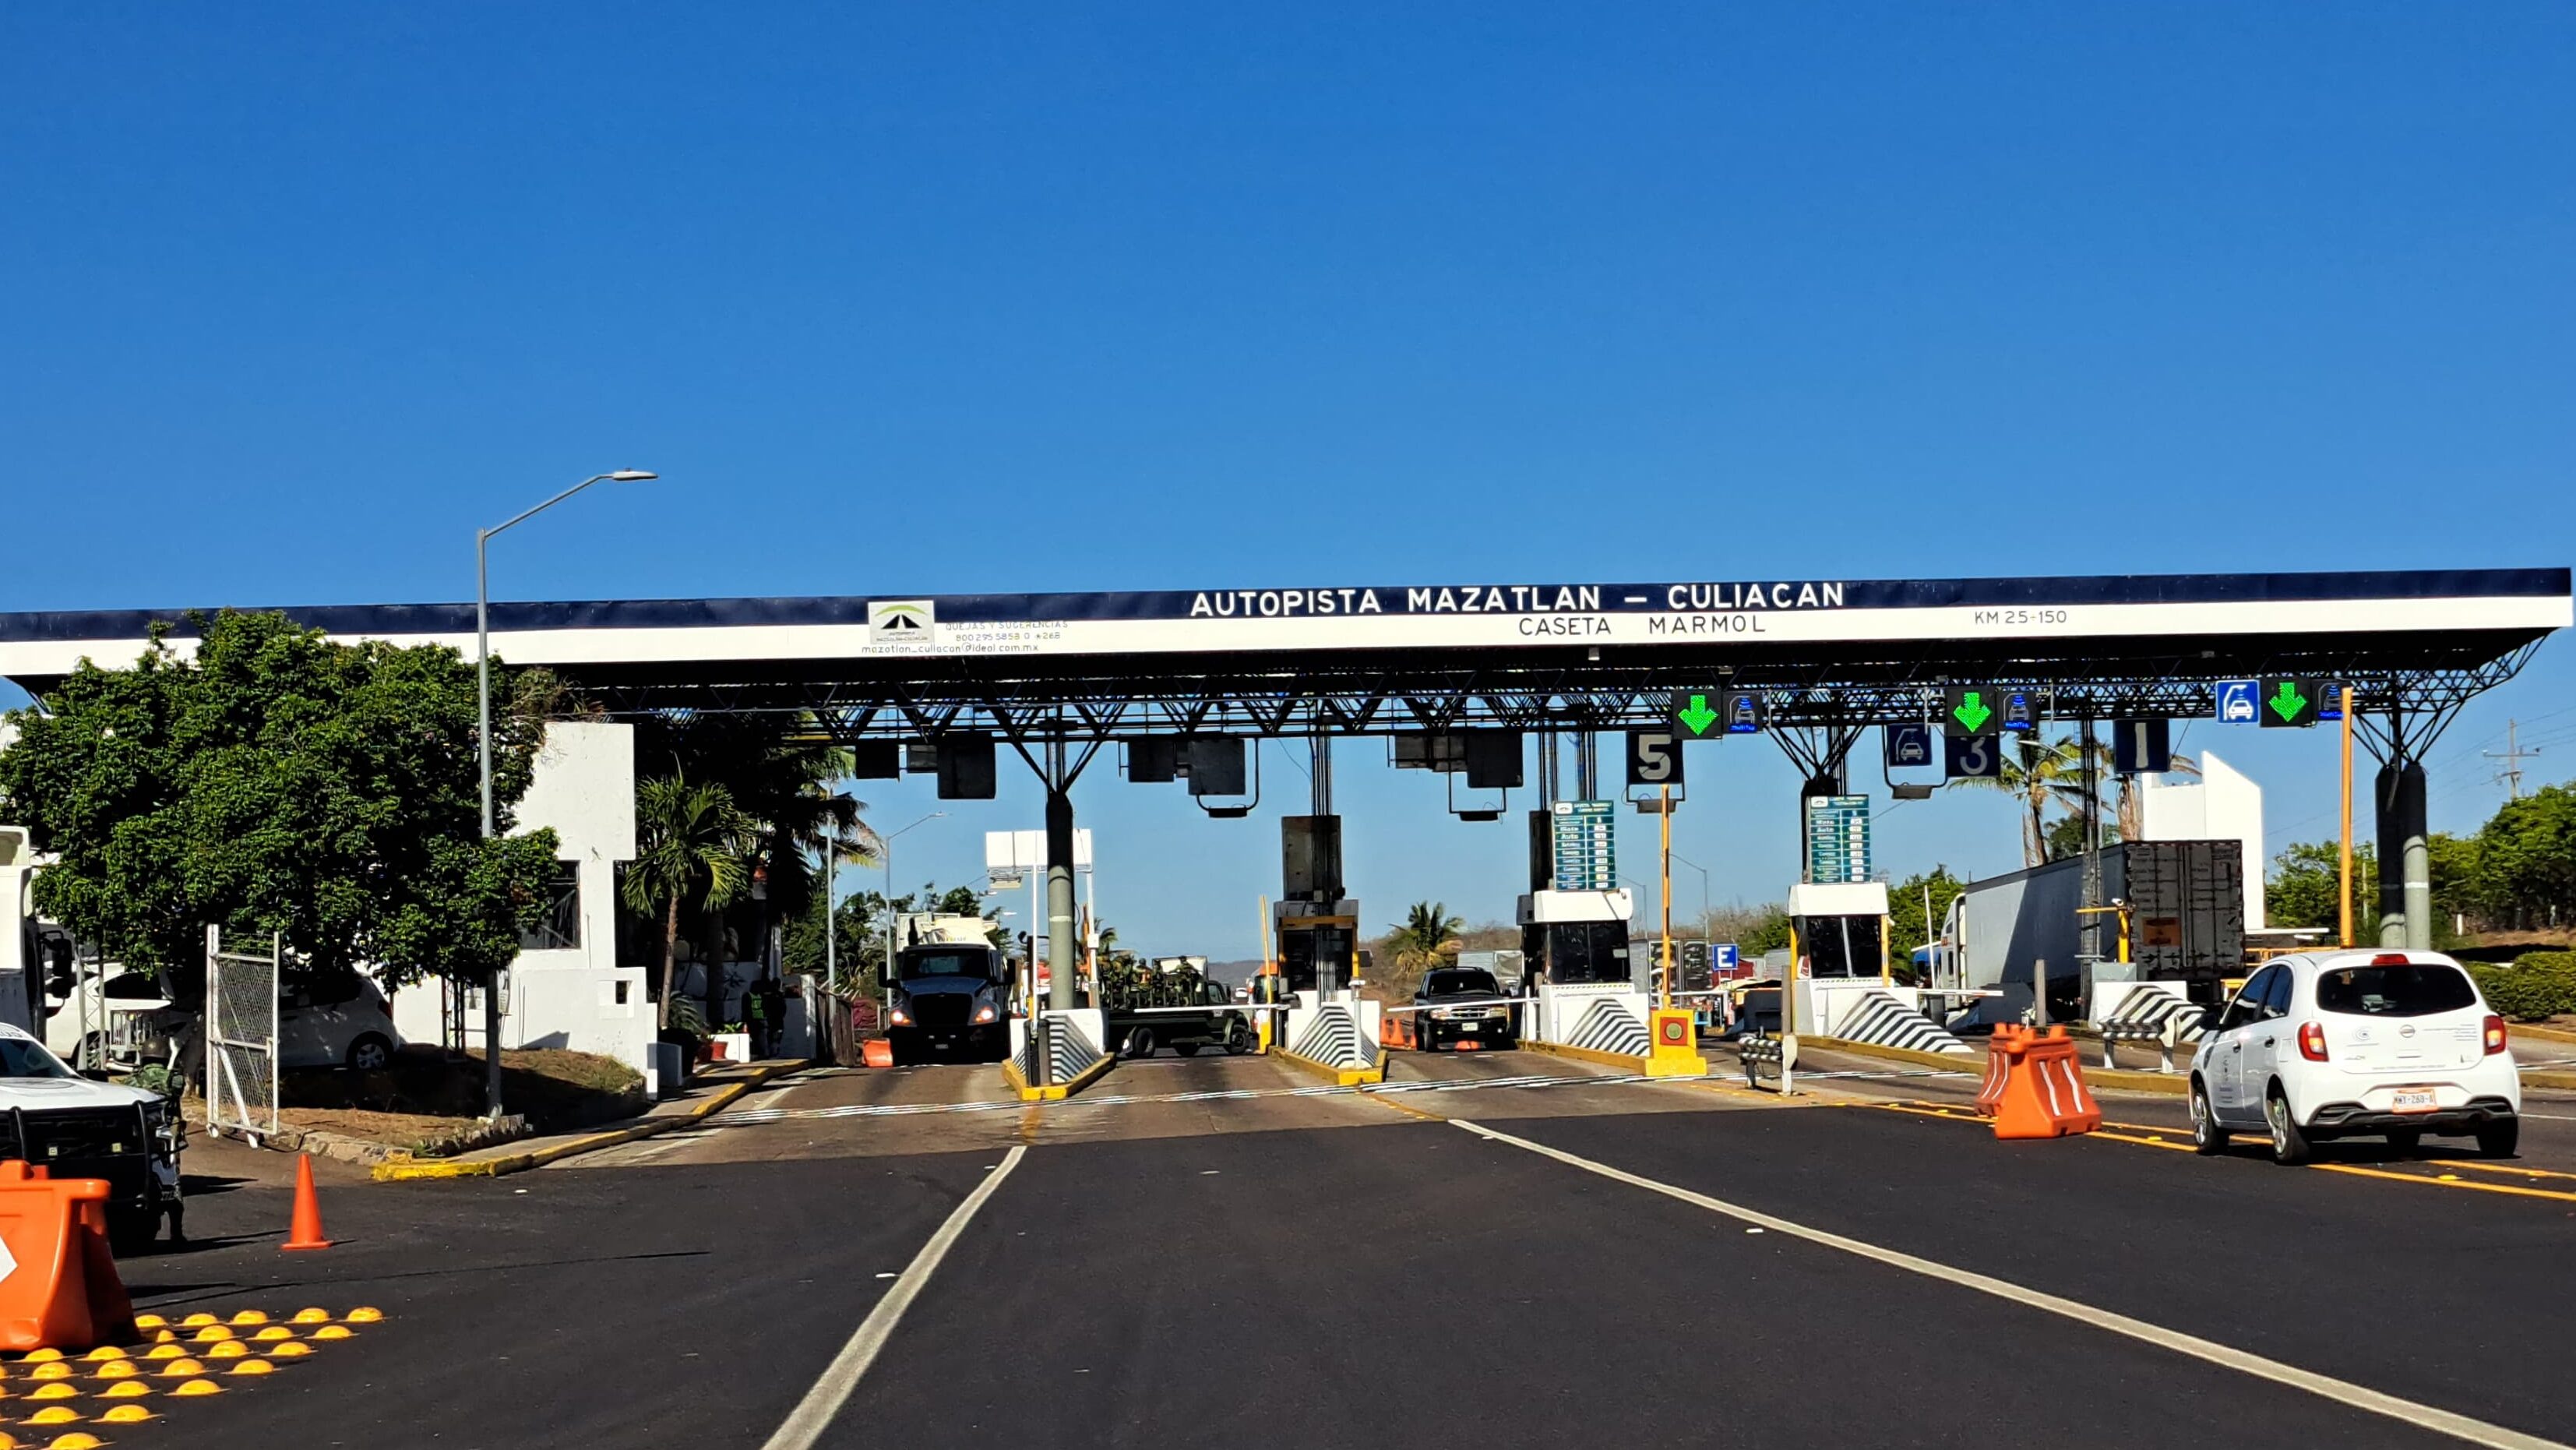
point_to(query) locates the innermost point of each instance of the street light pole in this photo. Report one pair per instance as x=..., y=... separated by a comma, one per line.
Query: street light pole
x=483, y=742
x=1703, y=884
x=885, y=975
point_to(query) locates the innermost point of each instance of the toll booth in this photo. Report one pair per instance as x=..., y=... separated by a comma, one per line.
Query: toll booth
x=1589, y=988
x=1319, y=946
x=1318, y=932
x=1839, y=947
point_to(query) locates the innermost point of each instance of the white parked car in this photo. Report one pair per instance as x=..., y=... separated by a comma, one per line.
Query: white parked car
x=2356, y=1044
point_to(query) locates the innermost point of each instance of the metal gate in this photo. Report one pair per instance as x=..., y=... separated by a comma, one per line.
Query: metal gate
x=241, y=1038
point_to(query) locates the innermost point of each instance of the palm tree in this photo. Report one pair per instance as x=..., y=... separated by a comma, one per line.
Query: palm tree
x=691, y=841
x=1428, y=932
x=2040, y=774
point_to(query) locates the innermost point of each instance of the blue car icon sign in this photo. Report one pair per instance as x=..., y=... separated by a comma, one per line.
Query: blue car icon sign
x=2236, y=702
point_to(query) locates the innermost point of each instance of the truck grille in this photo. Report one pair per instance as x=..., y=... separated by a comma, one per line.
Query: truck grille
x=943, y=1009
x=81, y=1135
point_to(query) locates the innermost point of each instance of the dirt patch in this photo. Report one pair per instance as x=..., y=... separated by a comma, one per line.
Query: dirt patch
x=426, y=1099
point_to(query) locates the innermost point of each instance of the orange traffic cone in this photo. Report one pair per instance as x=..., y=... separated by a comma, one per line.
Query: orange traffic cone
x=306, y=1231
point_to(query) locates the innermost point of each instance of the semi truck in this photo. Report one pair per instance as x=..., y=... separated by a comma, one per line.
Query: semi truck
x=949, y=992
x=2179, y=907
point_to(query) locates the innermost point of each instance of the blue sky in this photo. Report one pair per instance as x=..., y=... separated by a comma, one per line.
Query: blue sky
x=926, y=299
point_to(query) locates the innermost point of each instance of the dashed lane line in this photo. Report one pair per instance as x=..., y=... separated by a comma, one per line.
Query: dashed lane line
x=2344, y=1392
x=814, y=1414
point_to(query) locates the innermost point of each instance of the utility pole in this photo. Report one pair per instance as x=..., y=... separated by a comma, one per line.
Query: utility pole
x=2512, y=755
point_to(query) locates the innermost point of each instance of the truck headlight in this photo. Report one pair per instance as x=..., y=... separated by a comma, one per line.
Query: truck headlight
x=986, y=1013
x=898, y=1017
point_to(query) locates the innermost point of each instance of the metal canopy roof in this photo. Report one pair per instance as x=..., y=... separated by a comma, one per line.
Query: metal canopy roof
x=1363, y=660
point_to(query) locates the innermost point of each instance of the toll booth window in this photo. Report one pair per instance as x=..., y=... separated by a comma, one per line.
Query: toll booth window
x=1842, y=946
x=2415, y=990
x=963, y=963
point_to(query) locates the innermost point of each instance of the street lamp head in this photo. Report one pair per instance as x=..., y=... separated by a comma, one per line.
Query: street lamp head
x=631, y=475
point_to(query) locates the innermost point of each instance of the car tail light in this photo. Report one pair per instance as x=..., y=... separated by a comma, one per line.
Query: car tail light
x=2495, y=1034
x=2312, y=1041
x=2392, y=959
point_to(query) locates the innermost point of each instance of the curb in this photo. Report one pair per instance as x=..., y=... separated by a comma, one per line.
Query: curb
x=1341, y=1076
x=2120, y=1079
x=2545, y=1078
x=1060, y=1091
x=412, y=1170
x=1632, y=1062
x=2545, y=1034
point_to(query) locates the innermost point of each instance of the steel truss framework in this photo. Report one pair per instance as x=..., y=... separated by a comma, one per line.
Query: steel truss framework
x=2400, y=705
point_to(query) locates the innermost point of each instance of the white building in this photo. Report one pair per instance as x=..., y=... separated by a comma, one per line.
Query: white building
x=566, y=989
x=2224, y=805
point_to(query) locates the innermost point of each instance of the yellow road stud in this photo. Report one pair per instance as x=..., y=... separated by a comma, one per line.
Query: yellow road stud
x=149, y=1321
x=193, y=1320
x=105, y=1352
x=121, y=1415
x=117, y=1369
x=254, y=1366
x=181, y=1369
x=165, y=1351
x=164, y=1336
x=229, y=1349
x=213, y=1333
x=78, y=1440
x=251, y=1316
x=193, y=1388
x=54, y=1391
x=56, y=1370
x=366, y=1316
x=126, y=1390
x=290, y=1350
x=275, y=1331
x=312, y=1316
x=55, y=1415
x=40, y=1356
x=333, y=1331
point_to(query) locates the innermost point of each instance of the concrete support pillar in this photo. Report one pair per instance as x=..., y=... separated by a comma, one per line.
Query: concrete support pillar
x=2405, y=857
x=1062, y=942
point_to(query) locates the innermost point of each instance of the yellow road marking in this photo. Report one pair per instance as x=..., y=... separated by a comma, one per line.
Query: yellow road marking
x=2355, y=1169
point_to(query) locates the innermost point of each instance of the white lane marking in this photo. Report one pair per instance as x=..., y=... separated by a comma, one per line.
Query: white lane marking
x=2360, y=1397
x=813, y=1415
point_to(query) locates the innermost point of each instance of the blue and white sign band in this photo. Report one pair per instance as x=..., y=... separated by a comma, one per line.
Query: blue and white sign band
x=1487, y=616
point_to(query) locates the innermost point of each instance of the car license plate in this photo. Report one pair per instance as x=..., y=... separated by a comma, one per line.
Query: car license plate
x=2413, y=1100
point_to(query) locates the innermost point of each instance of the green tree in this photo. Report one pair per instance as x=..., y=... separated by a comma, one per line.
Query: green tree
x=278, y=781
x=692, y=845
x=2526, y=860
x=2305, y=888
x=1908, y=927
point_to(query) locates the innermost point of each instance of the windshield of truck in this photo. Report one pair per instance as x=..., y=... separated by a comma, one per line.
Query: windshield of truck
x=1462, y=979
x=21, y=1057
x=2417, y=989
x=931, y=962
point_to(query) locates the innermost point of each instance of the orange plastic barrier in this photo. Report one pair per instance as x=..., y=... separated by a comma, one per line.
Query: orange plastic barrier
x=62, y=1290
x=2041, y=1093
x=1997, y=1066
x=876, y=1052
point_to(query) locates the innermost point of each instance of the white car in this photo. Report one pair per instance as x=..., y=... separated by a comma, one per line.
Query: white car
x=131, y=1138
x=2356, y=1043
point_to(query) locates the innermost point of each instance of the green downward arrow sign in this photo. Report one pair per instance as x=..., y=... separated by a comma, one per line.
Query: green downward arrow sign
x=1697, y=715
x=2288, y=702
x=1972, y=711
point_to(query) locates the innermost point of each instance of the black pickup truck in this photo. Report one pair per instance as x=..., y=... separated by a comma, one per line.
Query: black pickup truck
x=1209, y=1019
x=1460, y=1003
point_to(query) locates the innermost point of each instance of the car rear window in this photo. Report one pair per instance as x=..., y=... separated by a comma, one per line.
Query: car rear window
x=2417, y=989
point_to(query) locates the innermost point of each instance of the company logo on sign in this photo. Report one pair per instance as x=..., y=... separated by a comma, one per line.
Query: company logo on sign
x=900, y=622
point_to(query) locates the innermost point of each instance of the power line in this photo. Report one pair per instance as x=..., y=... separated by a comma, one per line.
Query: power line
x=2513, y=755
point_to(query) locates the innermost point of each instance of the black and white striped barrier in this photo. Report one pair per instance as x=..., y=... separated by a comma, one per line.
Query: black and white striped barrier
x=2165, y=1035
x=1777, y=1055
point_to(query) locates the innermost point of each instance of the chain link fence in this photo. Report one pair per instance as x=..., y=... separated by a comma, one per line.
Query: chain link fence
x=241, y=1038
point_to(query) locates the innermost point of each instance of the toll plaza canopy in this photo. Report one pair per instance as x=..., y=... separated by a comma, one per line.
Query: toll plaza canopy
x=1820, y=652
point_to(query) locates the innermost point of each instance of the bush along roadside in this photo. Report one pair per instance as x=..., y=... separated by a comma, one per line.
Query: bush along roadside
x=2537, y=987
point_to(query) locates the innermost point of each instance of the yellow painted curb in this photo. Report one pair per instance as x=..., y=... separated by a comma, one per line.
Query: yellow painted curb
x=2171, y=1084
x=1631, y=1062
x=1677, y=1065
x=408, y=1170
x=1057, y=1092
x=2542, y=1078
x=1341, y=1076
x=2545, y=1034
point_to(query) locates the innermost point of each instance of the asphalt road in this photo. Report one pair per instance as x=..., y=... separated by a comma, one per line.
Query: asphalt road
x=1214, y=1251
